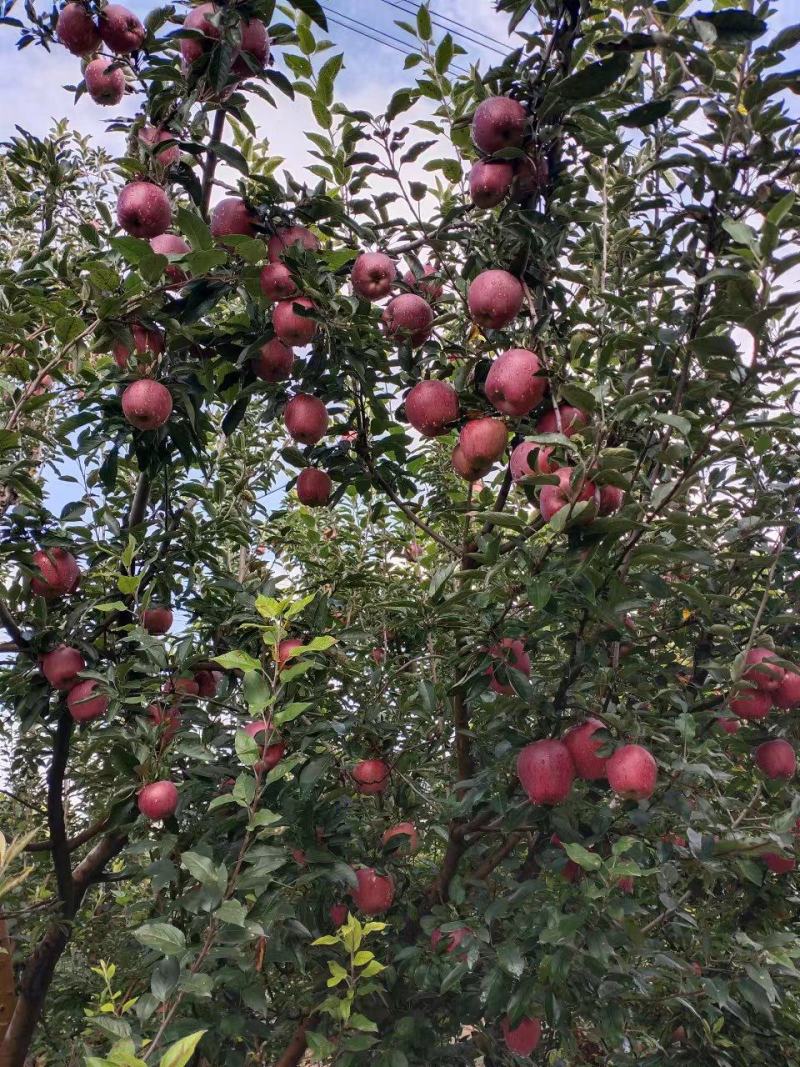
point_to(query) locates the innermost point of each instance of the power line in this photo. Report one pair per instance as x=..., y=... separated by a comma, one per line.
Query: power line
x=364, y=30
x=472, y=35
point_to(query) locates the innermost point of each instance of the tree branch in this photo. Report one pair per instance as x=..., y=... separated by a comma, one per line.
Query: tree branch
x=10, y=625
x=73, y=842
x=55, y=810
x=210, y=164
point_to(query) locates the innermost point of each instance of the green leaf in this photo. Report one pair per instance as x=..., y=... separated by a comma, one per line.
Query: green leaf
x=290, y=712
x=593, y=80
x=201, y=868
x=247, y=750
x=163, y=937
x=645, y=114
x=237, y=660
x=256, y=692
x=733, y=26
x=444, y=54
x=313, y=10
x=179, y=1054
x=194, y=229
x=231, y=911
x=511, y=959
x=361, y=1022
x=424, y=28
x=590, y=861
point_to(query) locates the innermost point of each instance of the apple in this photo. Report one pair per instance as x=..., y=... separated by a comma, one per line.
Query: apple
x=610, y=499
x=583, y=748
x=373, y=275
x=777, y=863
x=552, y=498
x=157, y=620
x=104, y=86
x=428, y=285
x=338, y=914
x=570, y=871
x=762, y=671
x=83, y=704
x=572, y=420
x=408, y=318
x=273, y=749
x=276, y=282
x=432, y=407
x=510, y=651
x=152, y=137
x=120, y=29
x=180, y=688
x=76, y=30
x=776, y=760
x=546, y=771
x=166, y=720
x=499, y=122
x=145, y=340
x=483, y=441
x=378, y=655
x=291, y=327
x=58, y=572
x=207, y=682
x=253, y=40
x=489, y=183
x=451, y=938
x=626, y=884
x=169, y=244
x=530, y=177
x=729, y=726
x=523, y=1038
x=371, y=776
x=143, y=209
x=313, y=487
x=374, y=893
x=632, y=772
x=514, y=384
x=306, y=419
x=274, y=362
x=232, y=216
x=750, y=704
x=146, y=404
x=520, y=465
x=495, y=298
x=62, y=666
x=470, y=472
x=253, y=52
x=413, y=551
x=289, y=236
x=403, y=830
x=787, y=695
x=286, y=650
x=158, y=800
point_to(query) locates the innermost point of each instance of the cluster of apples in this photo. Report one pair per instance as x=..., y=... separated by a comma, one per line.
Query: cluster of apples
x=500, y=123
x=115, y=27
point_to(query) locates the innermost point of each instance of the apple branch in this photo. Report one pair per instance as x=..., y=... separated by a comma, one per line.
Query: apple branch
x=11, y=627
x=55, y=810
x=210, y=165
x=72, y=843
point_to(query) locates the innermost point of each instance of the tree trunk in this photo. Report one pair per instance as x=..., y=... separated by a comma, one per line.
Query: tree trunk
x=8, y=997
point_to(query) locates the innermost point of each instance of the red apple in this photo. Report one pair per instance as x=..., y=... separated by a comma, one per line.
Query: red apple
x=158, y=800
x=286, y=650
x=373, y=275
x=610, y=500
x=371, y=776
x=489, y=183
x=157, y=620
x=152, y=137
x=291, y=327
x=58, y=572
x=403, y=830
x=750, y=704
x=338, y=914
x=572, y=421
x=62, y=666
x=169, y=244
x=428, y=285
x=632, y=772
x=520, y=464
x=253, y=40
x=76, y=30
x=552, y=498
x=253, y=52
x=313, y=487
x=375, y=892
x=274, y=362
x=180, y=688
x=143, y=209
x=306, y=419
x=408, y=318
x=483, y=441
x=730, y=726
x=583, y=748
x=121, y=30
x=273, y=749
x=146, y=404
x=470, y=472
x=451, y=938
x=787, y=695
x=777, y=863
x=378, y=655
x=546, y=771
x=570, y=871
x=514, y=384
x=530, y=177
x=626, y=884
x=763, y=672
x=510, y=651
x=776, y=760
x=232, y=216
x=207, y=682
x=166, y=720
x=83, y=704
x=145, y=340
x=495, y=298
x=432, y=407
x=276, y=282
x=499, y=122
x=104, y=86
x=523, y=1038
x=286, y=238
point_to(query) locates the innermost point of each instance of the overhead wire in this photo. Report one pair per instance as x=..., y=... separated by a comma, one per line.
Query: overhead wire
x=468, y=33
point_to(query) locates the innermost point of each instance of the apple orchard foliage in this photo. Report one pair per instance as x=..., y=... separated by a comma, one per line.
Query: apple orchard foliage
x=517, y=727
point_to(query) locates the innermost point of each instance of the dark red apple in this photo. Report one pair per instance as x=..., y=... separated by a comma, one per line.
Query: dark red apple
x=762, y=670
x=122, y=32
x=313, y=487
x=530, y=177
x=750, y=704
x=286, y=650
x=207, y=682
x=610, y=500
x=276, y=282
x=306, y=419
x=157, y=620
x=495, y=298
x=483, y=441
x=432, y=407
x=523, y=1038
x=83, y=704
x=143, y=209
x=632, y=772
x=180, y=688
x=583, y=748
x=510, y=651
x=373, y=275
x=286, y=238
x=169, y=244
x=371, y=776
x=552, y=498
x=776, y=760
x=146, y=404
x=451, y=938
x=158, y=800
x=572, y=420
x=232, y=216
x=403, y=830
x=374, y=893
x=104, y=86
x=253, y=52
x=787, y=695
x=489, y=183
x=167, y=720
x=152, y=137
x=408, y=318
x=378, y=655
x=58, y=572
x=777, y=863
x=428, y=285
x=293, y=328
x=499, y=122
x=729, y=726
x=546, y=771
x=76, y=30
x=273, y=749
x=626, y=884
x=145, y=340
x=274, y=362
x=62, y=666
x=338, y=914
x=514, y=384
